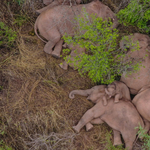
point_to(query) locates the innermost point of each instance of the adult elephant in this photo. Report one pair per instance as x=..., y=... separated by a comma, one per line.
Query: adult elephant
x=54, y=23
x=142, y=103
x=122, y=117
x=50, y=4
x=137, y=79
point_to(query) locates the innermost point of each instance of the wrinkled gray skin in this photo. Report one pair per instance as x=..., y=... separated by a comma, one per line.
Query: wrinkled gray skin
x=75, y=51
x=122, y=117
x=142, y=103
x=50, y=4
x=55, y=22
x=137, y=80
x=118, y=90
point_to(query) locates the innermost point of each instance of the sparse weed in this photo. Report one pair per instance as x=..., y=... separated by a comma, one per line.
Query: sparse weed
x=3, y=146
x=109, y=144
x=7, y=35
x=20, y=20
x=146, y=138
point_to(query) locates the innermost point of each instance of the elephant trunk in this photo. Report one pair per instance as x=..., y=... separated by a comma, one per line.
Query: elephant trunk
x=79, y=92
x=107, y=92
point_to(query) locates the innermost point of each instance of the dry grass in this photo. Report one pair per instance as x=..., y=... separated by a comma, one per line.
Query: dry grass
x=35, y=111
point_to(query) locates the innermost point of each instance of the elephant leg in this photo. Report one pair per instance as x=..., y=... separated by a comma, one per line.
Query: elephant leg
x=129, y=139
x=117, y=138
x=48, y=47
x=147, y=126
x=89, y=125
x=64, y=65
x=57, y=49
x=53, y=37
x=86, y=118
x=117, y=96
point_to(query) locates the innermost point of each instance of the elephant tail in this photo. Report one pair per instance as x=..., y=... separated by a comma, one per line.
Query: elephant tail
x=71, y=95
x=36, y=28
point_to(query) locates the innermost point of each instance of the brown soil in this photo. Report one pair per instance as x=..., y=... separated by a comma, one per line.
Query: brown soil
x=35, y=111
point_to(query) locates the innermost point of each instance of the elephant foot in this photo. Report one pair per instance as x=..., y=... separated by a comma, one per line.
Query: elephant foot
x=76, y=129
x=55, y=55
x=63, y=65
x=89, y=126
x=116, y=143
x=116, y=101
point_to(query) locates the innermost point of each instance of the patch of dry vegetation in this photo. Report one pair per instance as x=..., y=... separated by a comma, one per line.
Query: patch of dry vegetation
x=35, y=111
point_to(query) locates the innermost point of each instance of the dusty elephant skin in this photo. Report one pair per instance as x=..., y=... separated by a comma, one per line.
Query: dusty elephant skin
x=54, y=23
x=75, y=51
x=50, y=4
x=137, y=80
x=118, y=90
x=122, y=117
x=142, y=103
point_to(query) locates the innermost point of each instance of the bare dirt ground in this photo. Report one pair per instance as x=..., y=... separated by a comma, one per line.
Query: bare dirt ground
x=35, y=111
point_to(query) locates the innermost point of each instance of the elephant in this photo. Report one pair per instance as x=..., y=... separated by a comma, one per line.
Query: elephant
x=122, y=117
x=117, y=89
x=137, y=79
x=47, y=2
x=55, y=22
x=142, y=103
x=76, y=50
x=50, y=4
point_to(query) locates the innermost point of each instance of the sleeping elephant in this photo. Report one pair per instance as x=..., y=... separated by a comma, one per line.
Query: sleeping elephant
x=142, y=103
x=50, y=4
x=122, y=117
x=55, y=22
x=136, y=80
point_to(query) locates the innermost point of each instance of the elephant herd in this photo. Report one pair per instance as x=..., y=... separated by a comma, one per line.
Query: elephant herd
x=113, y=103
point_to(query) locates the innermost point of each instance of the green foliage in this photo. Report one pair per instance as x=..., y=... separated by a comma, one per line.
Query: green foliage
x=103, y=62
x=19, y=1
x=3, y=146
x=7, y=35
x=146, y=138
x=137, y=13
x=20, y=20
x=109, y=144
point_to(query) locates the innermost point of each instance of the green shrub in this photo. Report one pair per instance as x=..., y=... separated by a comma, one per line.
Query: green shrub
x=7, y=35
x=104, y=60
x=137, y=13
x=109, y=145
x=146, y=138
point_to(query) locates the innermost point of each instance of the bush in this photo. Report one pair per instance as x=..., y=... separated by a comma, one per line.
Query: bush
x=104, y=63
x=145, y=137
x=137, y=13
x=7, y=35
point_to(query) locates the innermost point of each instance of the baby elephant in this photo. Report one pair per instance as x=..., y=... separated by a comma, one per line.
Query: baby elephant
x=122, y=117
x=75, y=51
x=118, y=90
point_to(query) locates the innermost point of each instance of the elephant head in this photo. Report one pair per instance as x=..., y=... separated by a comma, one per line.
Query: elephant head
x=110, y=90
